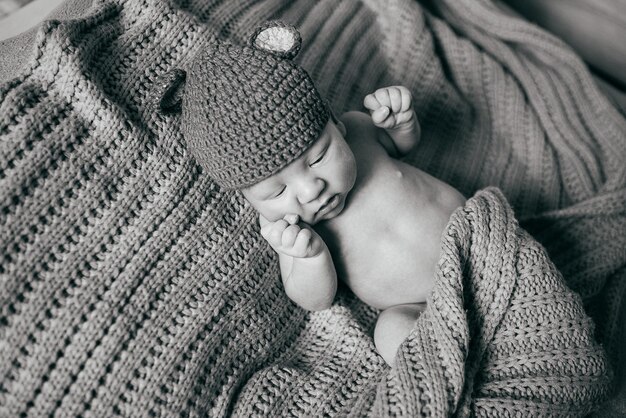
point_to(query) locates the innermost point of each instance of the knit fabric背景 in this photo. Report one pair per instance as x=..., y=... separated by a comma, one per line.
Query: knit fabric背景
x=132, y=285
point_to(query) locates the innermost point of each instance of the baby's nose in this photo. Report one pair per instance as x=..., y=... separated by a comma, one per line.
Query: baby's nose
x=311, y=189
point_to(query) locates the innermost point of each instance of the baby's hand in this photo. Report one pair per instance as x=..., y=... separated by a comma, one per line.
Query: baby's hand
x=288, y=237
x=391, y=108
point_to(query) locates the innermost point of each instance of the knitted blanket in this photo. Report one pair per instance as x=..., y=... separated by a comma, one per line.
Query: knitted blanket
x=131, y=285
x=501, y=334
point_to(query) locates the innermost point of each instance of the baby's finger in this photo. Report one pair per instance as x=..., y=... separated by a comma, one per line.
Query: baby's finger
x=395, y=98
x=301, y=244
x=379, y=115
x=407, y=98
x=289, y=236
x=275, y=232
x=382, y=95
x=292, y=218
x=266, y=225
x=405, y=118
x=370, y=102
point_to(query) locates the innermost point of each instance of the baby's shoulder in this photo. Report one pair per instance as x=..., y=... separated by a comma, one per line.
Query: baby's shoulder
x=359, y=128
x=362, y=133
x=358, y=121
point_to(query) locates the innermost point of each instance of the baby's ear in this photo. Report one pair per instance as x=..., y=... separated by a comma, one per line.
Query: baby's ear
x=168, y=93
x=277, y=38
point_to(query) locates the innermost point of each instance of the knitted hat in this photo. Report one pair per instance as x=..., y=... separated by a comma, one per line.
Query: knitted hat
x=247, y=112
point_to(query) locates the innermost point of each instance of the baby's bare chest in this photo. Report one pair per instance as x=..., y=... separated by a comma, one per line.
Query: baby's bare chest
x=386, y=244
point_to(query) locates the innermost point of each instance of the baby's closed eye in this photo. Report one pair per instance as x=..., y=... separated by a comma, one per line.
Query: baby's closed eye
x=319, y=159
x=278, y=192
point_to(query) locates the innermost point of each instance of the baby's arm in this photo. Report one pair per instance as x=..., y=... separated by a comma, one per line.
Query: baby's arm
x=391, y=109
x=306, y=266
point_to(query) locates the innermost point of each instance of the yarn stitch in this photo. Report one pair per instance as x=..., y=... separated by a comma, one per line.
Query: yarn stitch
x=132, y=285
x=250, y=111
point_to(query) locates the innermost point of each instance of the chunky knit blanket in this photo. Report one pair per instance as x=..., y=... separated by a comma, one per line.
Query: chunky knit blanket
x=501, y=334
x=131, y=285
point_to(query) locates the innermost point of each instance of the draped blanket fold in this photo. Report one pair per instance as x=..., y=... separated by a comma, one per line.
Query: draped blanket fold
x=131, y=285
x=502, y=333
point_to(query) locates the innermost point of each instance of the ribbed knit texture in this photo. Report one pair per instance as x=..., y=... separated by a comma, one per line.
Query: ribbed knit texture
x=131, y=285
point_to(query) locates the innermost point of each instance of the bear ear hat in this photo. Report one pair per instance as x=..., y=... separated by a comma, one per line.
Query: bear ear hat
x=277, y=38
x=274, y=37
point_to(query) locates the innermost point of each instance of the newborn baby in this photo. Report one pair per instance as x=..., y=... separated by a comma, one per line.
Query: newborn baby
x=334, y=202
x=377, y=221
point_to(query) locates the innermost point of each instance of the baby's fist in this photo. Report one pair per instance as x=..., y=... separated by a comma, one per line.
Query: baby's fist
x=391, y=107
x=288, y=237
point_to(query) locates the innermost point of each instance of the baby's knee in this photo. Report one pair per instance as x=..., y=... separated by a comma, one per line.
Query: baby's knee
x=393, y=326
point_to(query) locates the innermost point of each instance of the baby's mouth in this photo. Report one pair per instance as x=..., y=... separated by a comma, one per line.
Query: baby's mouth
x=329, y=205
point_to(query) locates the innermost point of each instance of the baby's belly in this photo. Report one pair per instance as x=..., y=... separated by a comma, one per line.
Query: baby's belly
x=393, y=271
x=388, y=248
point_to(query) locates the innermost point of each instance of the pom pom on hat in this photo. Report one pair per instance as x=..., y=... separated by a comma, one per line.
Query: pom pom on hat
x=249, y=111
x=277, y=38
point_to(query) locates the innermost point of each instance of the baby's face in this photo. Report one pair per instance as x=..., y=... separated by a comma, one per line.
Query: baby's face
x=314, y=186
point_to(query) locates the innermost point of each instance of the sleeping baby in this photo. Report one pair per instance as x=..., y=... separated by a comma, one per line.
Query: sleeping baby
x=334, y=200
x=347, y=209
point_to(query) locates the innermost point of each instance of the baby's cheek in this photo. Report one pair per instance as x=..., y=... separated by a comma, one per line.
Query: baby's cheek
x=265, y=210
x=272, y=215
x=347, y=167
x=278, y=211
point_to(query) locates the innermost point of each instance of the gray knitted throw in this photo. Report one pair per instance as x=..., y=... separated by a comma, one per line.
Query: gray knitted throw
x=131, y=285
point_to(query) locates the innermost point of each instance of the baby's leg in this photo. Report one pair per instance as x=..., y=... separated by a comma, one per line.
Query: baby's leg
x=392, y=328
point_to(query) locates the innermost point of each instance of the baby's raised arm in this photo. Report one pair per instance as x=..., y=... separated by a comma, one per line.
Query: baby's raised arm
x=306, y=266
x=391, y=109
